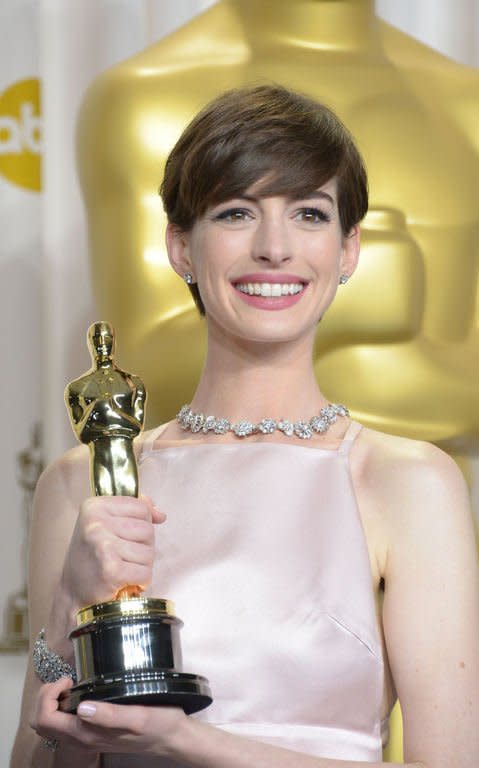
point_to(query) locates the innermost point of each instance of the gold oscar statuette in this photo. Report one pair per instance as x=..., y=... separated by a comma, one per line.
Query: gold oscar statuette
x=127, y=650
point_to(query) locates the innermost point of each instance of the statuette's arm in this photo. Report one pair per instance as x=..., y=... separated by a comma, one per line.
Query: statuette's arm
x=139, y=400
x=80, y=411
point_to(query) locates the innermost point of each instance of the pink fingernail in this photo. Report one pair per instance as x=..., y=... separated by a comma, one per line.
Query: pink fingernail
x=86, y=710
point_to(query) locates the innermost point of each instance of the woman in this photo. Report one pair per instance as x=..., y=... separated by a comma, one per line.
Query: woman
x=319, y=567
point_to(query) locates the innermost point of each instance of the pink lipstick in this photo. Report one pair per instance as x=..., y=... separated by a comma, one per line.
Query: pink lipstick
x=270, y=291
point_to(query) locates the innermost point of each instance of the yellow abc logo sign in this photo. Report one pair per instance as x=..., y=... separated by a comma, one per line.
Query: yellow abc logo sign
x=21, y=134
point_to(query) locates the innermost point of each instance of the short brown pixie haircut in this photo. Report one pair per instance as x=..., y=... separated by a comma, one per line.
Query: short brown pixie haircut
x=285, y=140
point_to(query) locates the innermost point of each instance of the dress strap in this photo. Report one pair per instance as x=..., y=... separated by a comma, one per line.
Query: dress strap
x=148, y=442
x=351, y=433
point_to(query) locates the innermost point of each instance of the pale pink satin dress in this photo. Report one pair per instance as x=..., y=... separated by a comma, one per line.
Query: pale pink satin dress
x=264, y=556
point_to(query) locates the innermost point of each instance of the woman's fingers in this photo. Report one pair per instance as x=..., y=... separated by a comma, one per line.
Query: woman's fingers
x=138, y=554
x=125, y=728
x=113, y=717
x=131, y=529
x=119, y=506
x=103, y=727
x=157, y=516
x=112, y=545
x=47, y=717
x=127, y=507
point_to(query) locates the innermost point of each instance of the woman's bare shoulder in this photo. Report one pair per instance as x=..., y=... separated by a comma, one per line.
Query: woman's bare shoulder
x=68, y=462
x=407, y=476
x=382, y=453
x=66, y=477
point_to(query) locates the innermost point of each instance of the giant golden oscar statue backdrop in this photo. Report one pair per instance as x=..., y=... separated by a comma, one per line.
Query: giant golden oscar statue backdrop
x=400, y=345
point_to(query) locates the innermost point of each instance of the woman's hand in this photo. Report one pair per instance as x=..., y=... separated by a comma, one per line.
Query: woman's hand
x=100, y=727
x=112, y=545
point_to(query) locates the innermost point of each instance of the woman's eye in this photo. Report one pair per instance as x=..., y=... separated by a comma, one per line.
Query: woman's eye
x=312, y=215
x=233, y=214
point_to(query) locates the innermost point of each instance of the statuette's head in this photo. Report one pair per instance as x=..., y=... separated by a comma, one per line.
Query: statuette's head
x=100, y=338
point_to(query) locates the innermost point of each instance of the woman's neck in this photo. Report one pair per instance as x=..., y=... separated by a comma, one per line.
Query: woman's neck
x=255, y=381
x=343, y=25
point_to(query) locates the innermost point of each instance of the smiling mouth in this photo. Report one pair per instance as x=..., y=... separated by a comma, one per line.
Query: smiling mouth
x=270, y=290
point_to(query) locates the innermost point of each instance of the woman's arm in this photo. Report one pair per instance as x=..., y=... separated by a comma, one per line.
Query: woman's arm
x=55, y=513
x=82, y=551
x=431, y=608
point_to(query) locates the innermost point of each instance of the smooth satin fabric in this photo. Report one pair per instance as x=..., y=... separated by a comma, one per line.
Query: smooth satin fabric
x=264, y=556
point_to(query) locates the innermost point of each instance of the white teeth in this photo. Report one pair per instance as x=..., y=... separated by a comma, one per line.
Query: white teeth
x=276, y=289
x=270, y=290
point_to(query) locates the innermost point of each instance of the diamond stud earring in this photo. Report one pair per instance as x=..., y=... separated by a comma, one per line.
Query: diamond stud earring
x=188, y=278
x=343, y=279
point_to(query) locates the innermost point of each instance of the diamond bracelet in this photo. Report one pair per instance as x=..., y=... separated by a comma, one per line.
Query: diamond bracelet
x=49, y=666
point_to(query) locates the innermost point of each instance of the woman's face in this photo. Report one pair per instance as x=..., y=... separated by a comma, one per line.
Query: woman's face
x=267, y=268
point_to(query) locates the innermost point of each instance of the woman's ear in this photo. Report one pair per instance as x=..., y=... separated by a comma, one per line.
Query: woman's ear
x=350, y=251
x=177, y=246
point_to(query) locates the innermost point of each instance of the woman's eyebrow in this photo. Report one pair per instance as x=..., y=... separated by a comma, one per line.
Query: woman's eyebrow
x=309, y=196
x=318, y=193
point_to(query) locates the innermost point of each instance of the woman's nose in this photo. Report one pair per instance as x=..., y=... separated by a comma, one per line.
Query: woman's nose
x=271, y=243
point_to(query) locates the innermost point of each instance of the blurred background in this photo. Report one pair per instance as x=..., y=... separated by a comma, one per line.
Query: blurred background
x=50, y=51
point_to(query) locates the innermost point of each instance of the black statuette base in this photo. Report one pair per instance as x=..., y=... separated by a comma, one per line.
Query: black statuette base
x=161, y=687
x=128, y=652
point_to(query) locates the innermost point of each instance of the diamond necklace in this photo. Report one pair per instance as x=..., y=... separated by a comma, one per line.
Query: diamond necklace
x=198, y=422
